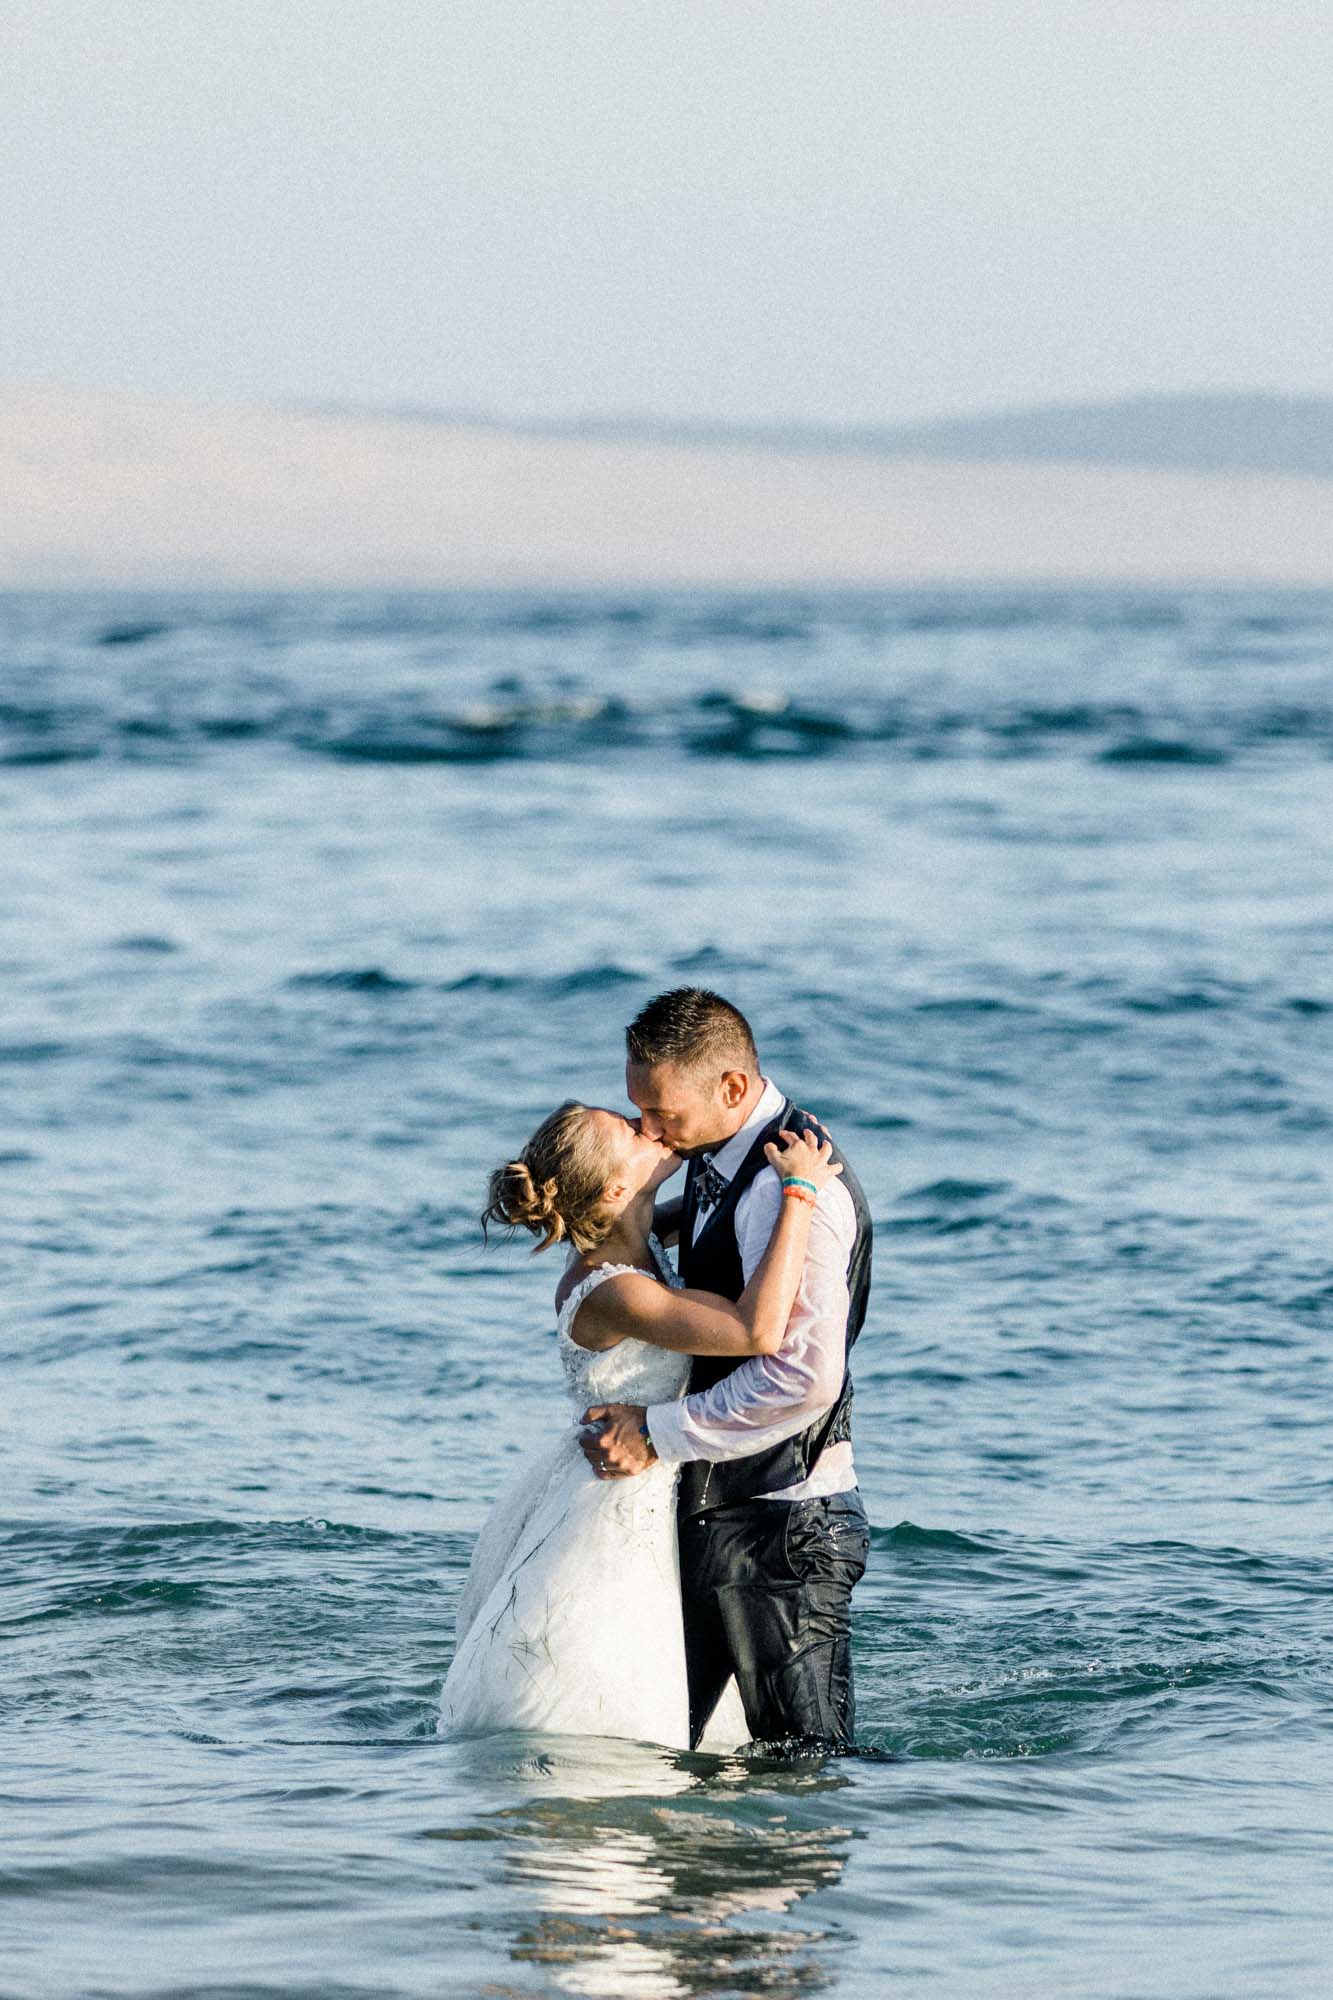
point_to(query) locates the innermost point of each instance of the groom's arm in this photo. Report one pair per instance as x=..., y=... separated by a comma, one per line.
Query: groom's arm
x=772, y=1397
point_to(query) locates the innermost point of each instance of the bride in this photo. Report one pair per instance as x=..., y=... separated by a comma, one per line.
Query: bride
x=570, y=1619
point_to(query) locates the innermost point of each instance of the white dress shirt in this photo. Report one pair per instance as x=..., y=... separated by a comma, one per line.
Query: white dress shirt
x=771, y=1397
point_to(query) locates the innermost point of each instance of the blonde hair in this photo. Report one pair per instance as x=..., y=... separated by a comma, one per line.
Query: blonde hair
x=554, y=1188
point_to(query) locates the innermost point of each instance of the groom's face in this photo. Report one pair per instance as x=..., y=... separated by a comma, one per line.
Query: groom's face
x=688, y=1110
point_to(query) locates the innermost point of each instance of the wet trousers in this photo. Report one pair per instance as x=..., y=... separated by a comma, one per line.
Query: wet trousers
x=767, y=1589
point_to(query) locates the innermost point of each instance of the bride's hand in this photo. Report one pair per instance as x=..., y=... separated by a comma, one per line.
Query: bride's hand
x=806, y=1157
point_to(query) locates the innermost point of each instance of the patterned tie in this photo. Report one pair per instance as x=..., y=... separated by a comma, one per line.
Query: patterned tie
x=709, y=1185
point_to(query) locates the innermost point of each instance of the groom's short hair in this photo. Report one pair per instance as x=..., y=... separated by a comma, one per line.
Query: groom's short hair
x=692, y=1028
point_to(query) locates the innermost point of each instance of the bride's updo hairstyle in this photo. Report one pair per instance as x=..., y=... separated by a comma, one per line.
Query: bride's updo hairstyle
x=554, y=1187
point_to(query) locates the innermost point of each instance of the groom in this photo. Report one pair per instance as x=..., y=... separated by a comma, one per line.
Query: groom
x=773, y=1535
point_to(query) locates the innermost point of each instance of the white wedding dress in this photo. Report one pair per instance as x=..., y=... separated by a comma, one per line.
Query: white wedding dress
x=570, y=1618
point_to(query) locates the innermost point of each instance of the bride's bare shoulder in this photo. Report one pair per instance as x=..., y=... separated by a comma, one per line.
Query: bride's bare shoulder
x=598, y=1321
x=573, y=1274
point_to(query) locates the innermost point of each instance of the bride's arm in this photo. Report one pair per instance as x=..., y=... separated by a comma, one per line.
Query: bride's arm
x=635, y=1306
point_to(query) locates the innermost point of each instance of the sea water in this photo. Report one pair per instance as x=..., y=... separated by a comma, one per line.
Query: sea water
x=312, y=907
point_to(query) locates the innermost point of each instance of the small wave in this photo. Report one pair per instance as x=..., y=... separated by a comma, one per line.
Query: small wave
x=965, y=1006
x=483, y=982
x=22, y=1053
x=560, y=618
x=807, y=1749
x=956, y=1191
x=907, y=1535
x=711, y=958
x=49, y=753
x=360, y=979
x=981, y=616
x=1067, y=718
x=740, y=624
x=590, y=979
x=1162, y=750
x=549, y=986
x=1200, y=999
x=130, y=635
x=376, y=747
x=758, y=723
x=121, y=1543
x=1316, y=1304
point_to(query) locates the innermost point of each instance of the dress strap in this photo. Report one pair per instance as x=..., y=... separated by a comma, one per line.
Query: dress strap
x=582, y=1289
x=603, y=1271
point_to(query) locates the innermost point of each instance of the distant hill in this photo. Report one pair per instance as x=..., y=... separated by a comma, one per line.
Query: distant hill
x=1234, y=432
x=101, y=488
x=1204, y=433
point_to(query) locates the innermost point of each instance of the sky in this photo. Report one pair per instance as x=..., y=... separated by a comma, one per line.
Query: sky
x=829, y=211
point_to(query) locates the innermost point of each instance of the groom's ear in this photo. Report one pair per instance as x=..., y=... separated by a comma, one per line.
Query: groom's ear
x=733, y=1087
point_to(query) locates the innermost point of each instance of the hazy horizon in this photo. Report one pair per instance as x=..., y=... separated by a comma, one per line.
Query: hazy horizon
x=648, y=417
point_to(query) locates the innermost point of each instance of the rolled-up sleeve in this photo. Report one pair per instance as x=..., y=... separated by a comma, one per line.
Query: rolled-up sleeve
x=771, y=1397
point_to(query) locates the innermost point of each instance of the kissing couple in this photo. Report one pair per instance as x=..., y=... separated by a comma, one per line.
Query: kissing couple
x=677, y=1565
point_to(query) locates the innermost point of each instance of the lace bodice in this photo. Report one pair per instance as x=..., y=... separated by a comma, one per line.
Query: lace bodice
x=633, y=1371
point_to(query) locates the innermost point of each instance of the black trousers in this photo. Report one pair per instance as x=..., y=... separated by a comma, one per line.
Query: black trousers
x=767, y=1588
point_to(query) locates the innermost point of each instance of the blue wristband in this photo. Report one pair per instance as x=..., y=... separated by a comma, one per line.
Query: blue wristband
x=793, y=1180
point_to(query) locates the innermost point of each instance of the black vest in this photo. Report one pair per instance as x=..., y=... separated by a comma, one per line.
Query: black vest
x=712, y=1263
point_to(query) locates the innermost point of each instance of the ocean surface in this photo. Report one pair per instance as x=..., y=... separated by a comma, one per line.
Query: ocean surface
x=311, y=906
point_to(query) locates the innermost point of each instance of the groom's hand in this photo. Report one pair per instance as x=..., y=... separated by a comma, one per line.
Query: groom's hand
x=614, y=1440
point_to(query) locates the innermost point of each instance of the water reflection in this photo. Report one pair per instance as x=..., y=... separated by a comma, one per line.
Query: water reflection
x=631, y=1871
